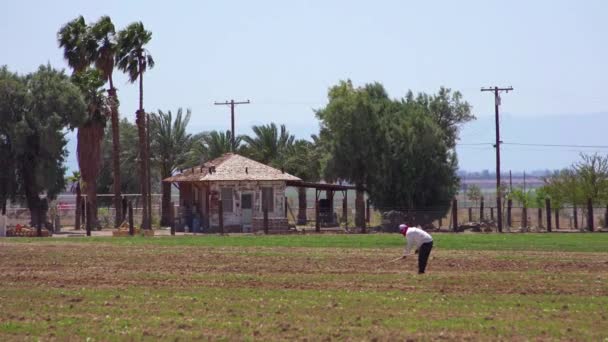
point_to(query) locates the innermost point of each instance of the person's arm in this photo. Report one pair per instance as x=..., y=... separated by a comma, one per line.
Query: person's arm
x=408, y=247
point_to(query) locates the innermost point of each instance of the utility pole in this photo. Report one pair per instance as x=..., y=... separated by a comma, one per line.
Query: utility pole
x=231, y=103
x=497, y=91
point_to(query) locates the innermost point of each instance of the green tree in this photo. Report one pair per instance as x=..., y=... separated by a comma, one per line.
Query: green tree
x=80, y=49
x=269, y=144
x=128, y=160
x=447, y=109
x=104, y=55
x=210, y=145
x=592, y=173
x=90, y=136
x=13, y=98
x=351, y=133
x=42, y=106
x=474, y=193
x=170, y=145
x=134, y=59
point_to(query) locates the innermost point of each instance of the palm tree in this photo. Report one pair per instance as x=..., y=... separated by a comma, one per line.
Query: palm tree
x=79, y=47
x=133, y=59
x=171, y=145
x=210, y=145
x=104, y=55
x=269, y=146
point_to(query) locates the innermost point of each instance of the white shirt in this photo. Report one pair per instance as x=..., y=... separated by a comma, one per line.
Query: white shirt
x=415, y=238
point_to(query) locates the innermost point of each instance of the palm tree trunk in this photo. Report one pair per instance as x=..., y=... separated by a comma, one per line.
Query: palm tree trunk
x=88, y=150
x=148, y=169
x=78, y=206
x=166, y=202
x=301, y=206
x=143, y=156
x=115, y=153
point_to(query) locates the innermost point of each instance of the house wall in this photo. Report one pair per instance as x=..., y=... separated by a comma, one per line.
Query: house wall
x=233, y=220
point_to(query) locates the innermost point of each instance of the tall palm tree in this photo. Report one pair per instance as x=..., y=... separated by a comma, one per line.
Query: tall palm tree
x=269, y=145
x=171, y=145
x=79, y=47
x=104, y=33
x=134, y=59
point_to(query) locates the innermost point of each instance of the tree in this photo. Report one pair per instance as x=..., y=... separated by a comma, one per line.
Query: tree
x=13, y=98
x=350, y=127
x=210, y=145
x=170, y=145
x=592, y=173
x=128, y=160
x=41, y=106
x=400, y=151
x=104, y=55
x=134, y=59
x=80, y=50
x=474, y=193
x=447, y=109
x=269, y=145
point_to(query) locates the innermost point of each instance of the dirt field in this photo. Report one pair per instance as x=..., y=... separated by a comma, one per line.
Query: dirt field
x=101, y=291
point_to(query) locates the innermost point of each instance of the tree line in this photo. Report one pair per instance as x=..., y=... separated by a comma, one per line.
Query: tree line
x=401, y=151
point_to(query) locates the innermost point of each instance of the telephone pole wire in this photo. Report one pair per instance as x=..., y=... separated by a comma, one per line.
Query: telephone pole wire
x=232, y=103
x=497, y=91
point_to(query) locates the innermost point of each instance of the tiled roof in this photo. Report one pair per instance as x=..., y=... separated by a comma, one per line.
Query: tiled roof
x=231, y=167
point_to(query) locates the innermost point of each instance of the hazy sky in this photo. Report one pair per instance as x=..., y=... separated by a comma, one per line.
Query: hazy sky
x=283, y=56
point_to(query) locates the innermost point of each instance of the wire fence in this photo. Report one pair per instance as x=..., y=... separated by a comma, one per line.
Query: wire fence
x=339, y=213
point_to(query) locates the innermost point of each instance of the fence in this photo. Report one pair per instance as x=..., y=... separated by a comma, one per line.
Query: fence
x=62, y=211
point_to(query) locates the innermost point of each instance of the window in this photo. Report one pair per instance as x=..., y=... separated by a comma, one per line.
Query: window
x=268, y=198
x=227, y=199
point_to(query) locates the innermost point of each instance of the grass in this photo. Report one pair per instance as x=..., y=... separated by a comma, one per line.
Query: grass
x=564, y=242
x=314, y=287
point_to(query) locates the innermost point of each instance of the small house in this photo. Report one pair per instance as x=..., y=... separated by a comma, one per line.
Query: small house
x=239, y=187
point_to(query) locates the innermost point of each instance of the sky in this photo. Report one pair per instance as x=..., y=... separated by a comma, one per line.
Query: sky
x=284, y=55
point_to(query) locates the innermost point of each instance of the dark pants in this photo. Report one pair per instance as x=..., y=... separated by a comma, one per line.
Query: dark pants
x=423, y=256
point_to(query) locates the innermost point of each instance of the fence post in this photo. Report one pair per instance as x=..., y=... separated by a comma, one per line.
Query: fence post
x=125, y=208
x=556, y=218
x=540, y=217
x=509, y=207
x=265, y=220
x=548, y=211
x=481, y=209
x=470, y=214
x=172, y=218
x=317, y=222
x=590, y=224
x=131, y=226
x=575, y=217
x=455, y=215
x=345, y=212
x=221, y=215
